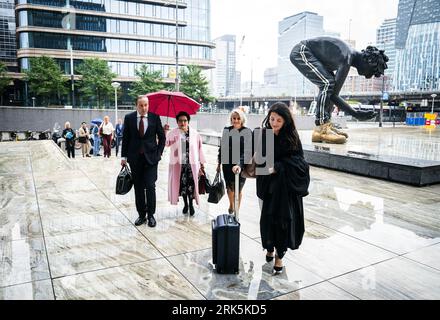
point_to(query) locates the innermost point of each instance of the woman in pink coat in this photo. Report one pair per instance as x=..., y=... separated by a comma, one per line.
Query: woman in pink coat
x=186, y=163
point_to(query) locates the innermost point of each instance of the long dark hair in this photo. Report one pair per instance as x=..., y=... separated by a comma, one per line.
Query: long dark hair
x=288, y=133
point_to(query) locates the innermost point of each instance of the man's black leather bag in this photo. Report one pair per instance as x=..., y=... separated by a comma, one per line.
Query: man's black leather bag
x=124, y=181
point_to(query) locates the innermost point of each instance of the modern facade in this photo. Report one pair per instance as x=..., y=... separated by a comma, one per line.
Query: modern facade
x=270, y=77
x=125, y=33
x=225, y=71
x=386, y=40
x=8, y=46
x=292, y=30
x=417, y=46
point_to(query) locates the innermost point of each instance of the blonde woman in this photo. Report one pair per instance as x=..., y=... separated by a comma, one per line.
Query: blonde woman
x=232, y=166
x=70, y=135
x=107, y=132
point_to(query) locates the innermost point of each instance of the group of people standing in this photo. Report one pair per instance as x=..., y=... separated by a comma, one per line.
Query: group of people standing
x=280, y=190
x=102, y=134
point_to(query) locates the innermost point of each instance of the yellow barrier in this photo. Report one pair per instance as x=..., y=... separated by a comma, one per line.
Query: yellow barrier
x=431, y=116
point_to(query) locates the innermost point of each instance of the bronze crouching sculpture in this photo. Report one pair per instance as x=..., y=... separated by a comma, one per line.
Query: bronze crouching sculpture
x=326, y=61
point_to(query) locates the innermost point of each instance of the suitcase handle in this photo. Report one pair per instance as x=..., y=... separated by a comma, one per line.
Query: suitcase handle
x=236, y=196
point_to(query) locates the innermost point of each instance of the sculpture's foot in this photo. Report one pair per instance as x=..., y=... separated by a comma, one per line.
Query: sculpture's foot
x=365, y=115
x=337, y=131
x=324, y=133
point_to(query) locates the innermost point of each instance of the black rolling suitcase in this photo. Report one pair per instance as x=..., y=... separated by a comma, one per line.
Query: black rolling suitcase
x=226, y=239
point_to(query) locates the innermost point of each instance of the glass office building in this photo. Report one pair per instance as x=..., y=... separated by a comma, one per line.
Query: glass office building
x=292, y=30
x=8, y=46
x=417, y=65
x=386, y=40
x=127, y=34
x=225, y=72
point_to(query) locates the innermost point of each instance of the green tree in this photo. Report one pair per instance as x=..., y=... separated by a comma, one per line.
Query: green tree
x=194, y=84
x=46, y=80
x=96, y=80
x=4, y=80
x=149, y=81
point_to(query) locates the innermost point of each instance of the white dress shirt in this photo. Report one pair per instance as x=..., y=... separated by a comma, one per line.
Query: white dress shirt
x=145, y=120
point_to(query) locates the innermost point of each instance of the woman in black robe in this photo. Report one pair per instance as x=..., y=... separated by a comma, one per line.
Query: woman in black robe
x=283, y=187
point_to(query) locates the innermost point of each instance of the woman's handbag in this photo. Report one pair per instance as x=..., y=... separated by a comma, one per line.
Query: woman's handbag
x=204, y=183
x=249, y=170
x=217, y=189
x=124, y=181
x=82, y=139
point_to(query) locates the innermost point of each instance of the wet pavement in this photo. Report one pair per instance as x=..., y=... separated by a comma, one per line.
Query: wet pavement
x=65, y=234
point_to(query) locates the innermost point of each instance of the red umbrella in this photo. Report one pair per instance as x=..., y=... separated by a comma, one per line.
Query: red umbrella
x=169, y=103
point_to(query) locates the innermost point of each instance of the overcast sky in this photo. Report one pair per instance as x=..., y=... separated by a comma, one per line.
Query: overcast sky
x=258, y=21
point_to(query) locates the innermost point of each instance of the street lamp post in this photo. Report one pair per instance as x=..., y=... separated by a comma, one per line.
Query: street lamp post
x=177, y=41
x=177, y=46
x=433, y=96
x=381, y=102
x=116, y=85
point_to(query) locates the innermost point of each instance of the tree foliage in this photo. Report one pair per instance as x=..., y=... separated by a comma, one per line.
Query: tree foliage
x=46, y=80
x=194, y=84
x=149, y=81
x=96, y=80
x=4, y=80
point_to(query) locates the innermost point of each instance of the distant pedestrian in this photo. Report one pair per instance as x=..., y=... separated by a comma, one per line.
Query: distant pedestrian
x=70, y=135
x=118, y=134
x=96, y=140
x=107, y=132
x=84, y=136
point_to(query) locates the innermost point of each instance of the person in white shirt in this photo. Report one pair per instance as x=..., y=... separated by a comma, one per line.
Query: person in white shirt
x=107, y=131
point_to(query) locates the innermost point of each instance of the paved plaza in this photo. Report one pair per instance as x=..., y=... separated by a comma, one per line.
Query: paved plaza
x=65, y=234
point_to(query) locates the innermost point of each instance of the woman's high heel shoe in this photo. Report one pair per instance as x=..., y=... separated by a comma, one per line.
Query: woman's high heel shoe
x=278, y=270
x=269, y=258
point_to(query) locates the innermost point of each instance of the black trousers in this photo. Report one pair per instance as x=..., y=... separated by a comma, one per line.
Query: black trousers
x=305, y=61
x=144, y=182
x=70, y=150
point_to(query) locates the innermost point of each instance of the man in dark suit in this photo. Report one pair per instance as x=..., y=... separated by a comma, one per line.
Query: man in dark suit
x=142, y=146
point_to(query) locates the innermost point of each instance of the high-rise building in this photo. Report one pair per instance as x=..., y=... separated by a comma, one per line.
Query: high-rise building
x=8, y=46
x=417, y=46
x=270, y=77
x=125, y=33
x=225, y=71
x=386, y=40
x=292, y=30
x=8, y=50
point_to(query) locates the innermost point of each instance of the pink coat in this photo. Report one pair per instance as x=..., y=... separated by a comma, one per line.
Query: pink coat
x=196, y=157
